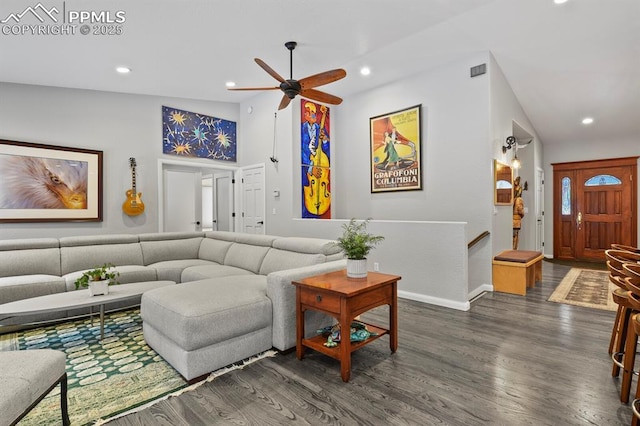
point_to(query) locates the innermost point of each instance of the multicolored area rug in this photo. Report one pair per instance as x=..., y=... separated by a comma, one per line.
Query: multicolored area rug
x=585, y=287
x=106, y=379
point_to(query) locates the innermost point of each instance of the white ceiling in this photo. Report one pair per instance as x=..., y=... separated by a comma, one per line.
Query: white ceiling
x=564, y=62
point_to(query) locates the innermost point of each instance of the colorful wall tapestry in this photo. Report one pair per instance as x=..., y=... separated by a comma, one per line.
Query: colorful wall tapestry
x=188, y=134
x=395, y=151
x=316, y=160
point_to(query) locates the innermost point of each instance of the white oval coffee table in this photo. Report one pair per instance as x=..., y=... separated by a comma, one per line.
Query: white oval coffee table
x=77, y=299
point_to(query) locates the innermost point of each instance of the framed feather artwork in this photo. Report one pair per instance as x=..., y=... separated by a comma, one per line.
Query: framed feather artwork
x=47, y=183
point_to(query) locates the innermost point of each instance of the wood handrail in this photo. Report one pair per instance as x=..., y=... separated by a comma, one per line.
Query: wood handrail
x=477, y=239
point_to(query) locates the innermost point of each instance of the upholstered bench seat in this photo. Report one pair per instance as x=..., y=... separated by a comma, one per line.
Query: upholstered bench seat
x=516, y=270
x=204, y=325
x=26, y=377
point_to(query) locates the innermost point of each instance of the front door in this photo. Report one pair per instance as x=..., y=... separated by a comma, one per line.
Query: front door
x=594, y=206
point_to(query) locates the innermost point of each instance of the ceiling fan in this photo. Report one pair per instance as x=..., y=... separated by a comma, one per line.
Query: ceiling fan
x=305, y=86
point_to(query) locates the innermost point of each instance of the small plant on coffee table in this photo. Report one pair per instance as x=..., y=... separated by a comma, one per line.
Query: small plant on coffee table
x=100, y=273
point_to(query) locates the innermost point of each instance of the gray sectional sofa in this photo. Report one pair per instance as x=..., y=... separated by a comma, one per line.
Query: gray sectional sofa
x=234, y=297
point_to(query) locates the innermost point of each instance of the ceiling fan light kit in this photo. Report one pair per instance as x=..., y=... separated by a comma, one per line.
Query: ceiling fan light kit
x=304, y=87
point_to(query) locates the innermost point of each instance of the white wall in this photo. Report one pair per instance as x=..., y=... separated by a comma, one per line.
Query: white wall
x=120, y=125
x=505, y=109
x=456, y=167
x=464, y=122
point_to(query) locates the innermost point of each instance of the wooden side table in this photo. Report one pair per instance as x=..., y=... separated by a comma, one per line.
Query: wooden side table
x=345, y=298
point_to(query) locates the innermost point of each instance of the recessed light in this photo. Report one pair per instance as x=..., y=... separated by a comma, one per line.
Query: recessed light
x=587, y=120
x=123, y=70
x=230, y=84
x=559, y=1
x=365, y=70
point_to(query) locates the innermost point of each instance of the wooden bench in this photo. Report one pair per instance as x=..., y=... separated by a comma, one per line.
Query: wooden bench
x=516, y=270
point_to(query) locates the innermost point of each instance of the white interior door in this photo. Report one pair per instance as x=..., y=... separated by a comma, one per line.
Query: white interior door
x=539, y=206
x=252, y=219
x=208, y=221
x=182, y=200
x=223, y=201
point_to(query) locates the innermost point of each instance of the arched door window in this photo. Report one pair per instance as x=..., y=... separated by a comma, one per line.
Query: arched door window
x=601, y=180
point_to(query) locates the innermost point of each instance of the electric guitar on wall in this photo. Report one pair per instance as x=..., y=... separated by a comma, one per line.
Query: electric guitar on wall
x=134, y=205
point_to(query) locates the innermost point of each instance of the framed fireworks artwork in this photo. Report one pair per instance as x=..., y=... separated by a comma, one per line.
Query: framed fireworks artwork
x=188, y=134
x=396, y=151
x=47, y=183
x=315, y=139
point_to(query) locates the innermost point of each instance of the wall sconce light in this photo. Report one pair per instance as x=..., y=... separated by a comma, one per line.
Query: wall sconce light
x=510, y=143
x=515, y=163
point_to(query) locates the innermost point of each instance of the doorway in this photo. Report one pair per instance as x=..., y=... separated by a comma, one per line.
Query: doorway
x=198, y=198
x=595, y=205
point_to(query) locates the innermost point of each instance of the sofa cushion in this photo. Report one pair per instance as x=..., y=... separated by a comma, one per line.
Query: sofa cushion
x=202, y=313
x=87, y=252
x=196, y=273
x=214, y=250
x=27, y=286
x=164, y=236
x=307, y=245
x=29, y=256
x=173, y=249
x=278, y=260
x=246, y=256
x=128, y=274
x=255, y=239
x=222, y=235
x=172, y=269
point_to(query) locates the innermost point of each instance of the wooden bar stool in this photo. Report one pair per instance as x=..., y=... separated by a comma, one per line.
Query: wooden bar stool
x=615, y=260
x=626, y=248
x=633, y=284
x=632, y=270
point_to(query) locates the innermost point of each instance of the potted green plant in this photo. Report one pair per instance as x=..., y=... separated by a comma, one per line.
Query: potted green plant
x=98, y=279
x=356, y=243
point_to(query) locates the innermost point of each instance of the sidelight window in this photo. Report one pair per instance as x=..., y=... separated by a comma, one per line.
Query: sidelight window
x=566, y=196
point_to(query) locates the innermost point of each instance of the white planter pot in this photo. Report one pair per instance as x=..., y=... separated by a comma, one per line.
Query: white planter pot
x=97, y=288
x=357, y=268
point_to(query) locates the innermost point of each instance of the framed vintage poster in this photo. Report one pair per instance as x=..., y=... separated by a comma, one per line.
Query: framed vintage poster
x=47, y=183
x=396, y=151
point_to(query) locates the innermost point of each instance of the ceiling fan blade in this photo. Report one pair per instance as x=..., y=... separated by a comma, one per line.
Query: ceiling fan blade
x=284, y=102
x=317, y=95
x=254, y=88
x=322, y=78
x=269, y=70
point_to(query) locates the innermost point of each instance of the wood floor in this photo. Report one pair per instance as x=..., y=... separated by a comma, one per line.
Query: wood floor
x=510, y=360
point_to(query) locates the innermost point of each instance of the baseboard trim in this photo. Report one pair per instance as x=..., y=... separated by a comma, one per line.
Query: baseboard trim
x=447, y=303
x=478, y=291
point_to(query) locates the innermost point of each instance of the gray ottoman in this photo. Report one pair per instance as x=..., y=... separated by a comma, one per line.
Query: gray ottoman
x=201, y=326
x=26, y=377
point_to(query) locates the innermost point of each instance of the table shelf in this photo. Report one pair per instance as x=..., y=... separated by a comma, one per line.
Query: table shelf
x=317, y=342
